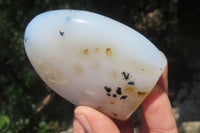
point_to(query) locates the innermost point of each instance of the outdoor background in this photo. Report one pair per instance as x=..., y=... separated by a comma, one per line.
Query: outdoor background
x=27, y=105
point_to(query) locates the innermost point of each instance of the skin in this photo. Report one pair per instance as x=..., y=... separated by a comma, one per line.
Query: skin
x=157, y=115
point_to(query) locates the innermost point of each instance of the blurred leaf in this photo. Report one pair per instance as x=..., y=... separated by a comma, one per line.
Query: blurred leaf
x=4, y=121
x=43, y=127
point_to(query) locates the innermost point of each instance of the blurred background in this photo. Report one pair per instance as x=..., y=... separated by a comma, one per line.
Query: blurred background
x=27, y=105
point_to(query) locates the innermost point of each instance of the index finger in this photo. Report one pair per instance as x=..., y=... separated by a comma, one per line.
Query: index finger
x=157, y=115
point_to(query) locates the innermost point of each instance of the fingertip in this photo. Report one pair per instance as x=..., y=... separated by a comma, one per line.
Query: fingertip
x=157, y=112
x=93, y=121
x=163, y=80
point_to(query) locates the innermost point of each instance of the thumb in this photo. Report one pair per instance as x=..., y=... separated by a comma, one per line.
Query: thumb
x=88, y=120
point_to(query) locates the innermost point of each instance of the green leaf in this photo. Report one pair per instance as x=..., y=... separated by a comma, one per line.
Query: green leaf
x=43, y=127
x=4, y=120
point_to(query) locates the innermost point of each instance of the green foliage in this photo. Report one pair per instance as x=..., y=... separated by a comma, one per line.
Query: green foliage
x=22, y=92
x=4, y=121
x=43, y=127
x=21, y=89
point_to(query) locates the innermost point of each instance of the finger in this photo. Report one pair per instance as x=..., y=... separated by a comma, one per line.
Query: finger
x=163, y=80
x=88, y=120
x=157, y=115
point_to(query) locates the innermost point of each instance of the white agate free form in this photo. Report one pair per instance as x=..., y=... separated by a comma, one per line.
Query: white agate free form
x=92, y=60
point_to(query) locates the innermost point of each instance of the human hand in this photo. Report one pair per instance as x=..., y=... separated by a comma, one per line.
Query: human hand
x=157, y=115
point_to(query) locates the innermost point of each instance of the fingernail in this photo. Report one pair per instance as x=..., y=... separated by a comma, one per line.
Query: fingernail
x=83, y=122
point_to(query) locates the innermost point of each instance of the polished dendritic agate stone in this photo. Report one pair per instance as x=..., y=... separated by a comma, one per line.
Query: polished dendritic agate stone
x=92, y=60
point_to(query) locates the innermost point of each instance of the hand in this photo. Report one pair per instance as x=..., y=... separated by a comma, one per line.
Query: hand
x=157, y=115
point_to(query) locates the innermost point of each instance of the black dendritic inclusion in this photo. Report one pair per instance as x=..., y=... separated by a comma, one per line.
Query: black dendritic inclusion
x=108, y=94
x=115, y=114
x=61, y=33
x=114, y=95
x=107, y=89
x=123, y=97
x=119, y=90
x=126, y=75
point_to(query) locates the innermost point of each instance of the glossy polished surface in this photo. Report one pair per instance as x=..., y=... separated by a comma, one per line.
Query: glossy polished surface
x=93, y=60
